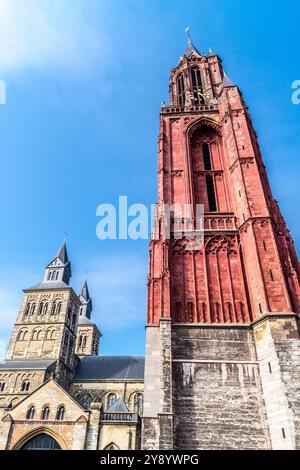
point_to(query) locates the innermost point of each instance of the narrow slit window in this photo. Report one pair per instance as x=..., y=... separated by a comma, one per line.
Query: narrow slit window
x=212, y=203
x=270, y=368
x=271, y=275
x=206, y=157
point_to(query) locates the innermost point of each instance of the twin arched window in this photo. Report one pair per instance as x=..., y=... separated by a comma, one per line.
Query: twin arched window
x=56, y=307
x=23, y=335
x=30, y=308
x=45, y=413
x=30, y=412
x=37, y=335
x=50, y=334
x=60, y=415
x=82, y=341
x=43, y=308
x=25, y=386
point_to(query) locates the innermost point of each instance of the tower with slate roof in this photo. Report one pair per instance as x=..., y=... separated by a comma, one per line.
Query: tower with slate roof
x=88, y=334
x=46, y=325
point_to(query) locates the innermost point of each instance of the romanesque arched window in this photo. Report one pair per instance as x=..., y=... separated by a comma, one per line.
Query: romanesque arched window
x=27, y=308
x=37, y=335
x=60, y=415
x=32, y=309
x=181, y=90
x=30, y=412
x=43, y=307
x=56, y=307
x=138, y=403
x=45, y=413
x=25, y=386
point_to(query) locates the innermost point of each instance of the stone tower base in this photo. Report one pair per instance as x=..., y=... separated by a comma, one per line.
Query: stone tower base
x=223, y=387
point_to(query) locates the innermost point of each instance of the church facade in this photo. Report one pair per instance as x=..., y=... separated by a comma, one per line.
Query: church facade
x=222, y=362
x=56, y=392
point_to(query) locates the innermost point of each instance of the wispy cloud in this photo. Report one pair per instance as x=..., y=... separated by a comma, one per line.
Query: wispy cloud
x=52, y=34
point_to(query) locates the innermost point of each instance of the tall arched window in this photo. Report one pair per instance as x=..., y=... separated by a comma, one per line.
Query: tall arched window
x=206, y=156
x=27, y=309
x=43, y=308
x=25, y=386
x=45, y=413
x=181, y=90
x=197, y=86
x=138, y=403
x=60, y=415
x=32, y=309
x=110, y=400
x=30, y=412
x=56, y=307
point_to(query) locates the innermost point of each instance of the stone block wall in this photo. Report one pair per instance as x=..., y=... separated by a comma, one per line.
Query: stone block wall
x=217, y=393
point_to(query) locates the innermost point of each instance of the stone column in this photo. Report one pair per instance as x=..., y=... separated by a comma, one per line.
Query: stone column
x=93, y=427
x=157, y=431
x=278, y=350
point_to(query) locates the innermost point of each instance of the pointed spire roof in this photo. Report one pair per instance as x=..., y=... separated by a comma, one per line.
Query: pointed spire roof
x=190, y=49
x=62, y=253
x=227, y=83
x=211, y=52
x=84, y=293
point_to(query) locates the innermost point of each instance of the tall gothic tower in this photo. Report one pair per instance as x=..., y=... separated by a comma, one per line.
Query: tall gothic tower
x=222, y=346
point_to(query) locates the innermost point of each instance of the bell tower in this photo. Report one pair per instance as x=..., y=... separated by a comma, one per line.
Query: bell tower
x=221, y=318
x=46, y=326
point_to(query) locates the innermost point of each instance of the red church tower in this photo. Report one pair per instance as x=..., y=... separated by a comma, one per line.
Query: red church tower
x=222, y=347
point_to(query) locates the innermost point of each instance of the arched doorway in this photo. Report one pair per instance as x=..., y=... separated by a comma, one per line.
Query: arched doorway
x=41, y=442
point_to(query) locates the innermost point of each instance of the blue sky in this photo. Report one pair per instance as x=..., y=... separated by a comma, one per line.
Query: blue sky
x=85, y=80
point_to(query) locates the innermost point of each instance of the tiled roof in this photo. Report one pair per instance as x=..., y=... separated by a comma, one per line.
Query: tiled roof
x=25, y=365
x=110, y=368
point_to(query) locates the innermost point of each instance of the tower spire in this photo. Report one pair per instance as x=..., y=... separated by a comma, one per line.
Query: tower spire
x=59, y=269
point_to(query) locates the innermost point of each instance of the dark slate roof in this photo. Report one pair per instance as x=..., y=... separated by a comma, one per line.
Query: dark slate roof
x=50, y=285
x=190, y=49
x=25, y=365
x=85, y=292
x=227, y=83
x=62, y=253
x=110, y=368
